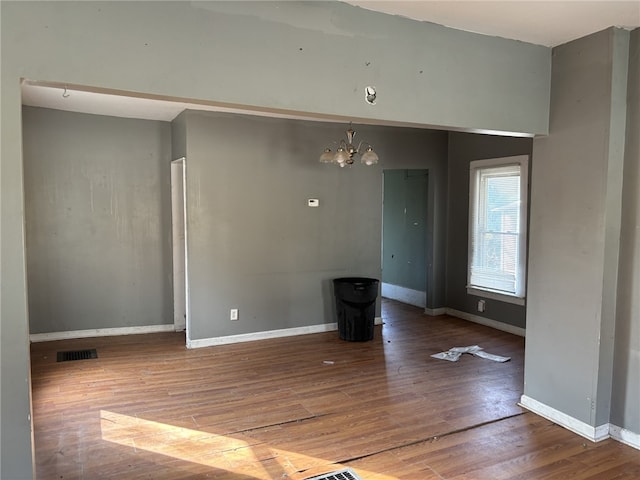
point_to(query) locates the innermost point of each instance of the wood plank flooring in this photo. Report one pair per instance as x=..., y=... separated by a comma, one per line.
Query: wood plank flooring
x=290, y=408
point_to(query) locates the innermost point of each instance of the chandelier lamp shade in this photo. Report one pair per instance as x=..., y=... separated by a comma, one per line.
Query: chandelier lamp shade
x=347, y=152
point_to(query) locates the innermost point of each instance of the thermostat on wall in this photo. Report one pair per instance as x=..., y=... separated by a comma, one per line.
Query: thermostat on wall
x=313, y=202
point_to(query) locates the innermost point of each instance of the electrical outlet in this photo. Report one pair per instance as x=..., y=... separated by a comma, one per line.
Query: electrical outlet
x=481, y=305
x=234, y=314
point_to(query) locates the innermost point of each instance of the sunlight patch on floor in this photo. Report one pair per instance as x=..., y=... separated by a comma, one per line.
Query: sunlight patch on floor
x=236, y=454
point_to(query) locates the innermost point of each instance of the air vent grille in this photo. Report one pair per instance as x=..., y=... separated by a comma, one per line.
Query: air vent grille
x=77, y=355
x=344, y=474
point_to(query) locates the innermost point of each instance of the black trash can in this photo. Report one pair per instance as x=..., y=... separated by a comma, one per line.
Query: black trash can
x=356, y=307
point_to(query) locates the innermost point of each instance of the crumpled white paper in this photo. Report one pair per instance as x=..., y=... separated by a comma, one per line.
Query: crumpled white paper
x=454, y=354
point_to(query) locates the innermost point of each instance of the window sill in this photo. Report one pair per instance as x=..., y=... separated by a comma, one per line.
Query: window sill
x=502, y=297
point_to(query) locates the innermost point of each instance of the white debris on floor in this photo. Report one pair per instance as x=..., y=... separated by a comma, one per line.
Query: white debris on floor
x=454, y=354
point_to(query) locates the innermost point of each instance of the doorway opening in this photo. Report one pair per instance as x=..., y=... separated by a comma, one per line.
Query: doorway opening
x=404, y=236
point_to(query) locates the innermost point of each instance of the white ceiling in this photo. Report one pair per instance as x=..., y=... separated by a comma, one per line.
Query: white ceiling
x=123, y=104
x=543, y=22
x=548, y=23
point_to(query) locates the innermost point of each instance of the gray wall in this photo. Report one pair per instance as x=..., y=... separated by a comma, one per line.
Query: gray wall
x=284, y=55
x=98, y=221
x=626, y=372
x=574, y=230
x=255, y=245
x=404, y=218
x=464, y=148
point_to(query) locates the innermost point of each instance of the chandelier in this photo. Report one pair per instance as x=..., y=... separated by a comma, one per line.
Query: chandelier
x=346, y=152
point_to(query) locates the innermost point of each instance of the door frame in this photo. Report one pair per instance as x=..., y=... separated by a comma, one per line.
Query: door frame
x=179, y=245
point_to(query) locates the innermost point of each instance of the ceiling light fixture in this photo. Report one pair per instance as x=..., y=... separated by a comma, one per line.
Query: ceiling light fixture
x=346, y=152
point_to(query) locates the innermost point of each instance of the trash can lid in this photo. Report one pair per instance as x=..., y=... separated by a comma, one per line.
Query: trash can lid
x=355, y=280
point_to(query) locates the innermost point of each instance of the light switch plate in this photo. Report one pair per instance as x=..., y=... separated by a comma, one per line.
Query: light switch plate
x=313, y=202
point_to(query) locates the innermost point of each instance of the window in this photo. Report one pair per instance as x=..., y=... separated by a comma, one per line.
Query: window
x=498, y=228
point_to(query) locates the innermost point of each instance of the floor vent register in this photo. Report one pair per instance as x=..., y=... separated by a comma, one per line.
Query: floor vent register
x=77, y=355
x=344, y=474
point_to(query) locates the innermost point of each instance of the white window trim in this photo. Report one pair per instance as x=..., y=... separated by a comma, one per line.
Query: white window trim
x=495, y=295
x=523, y=161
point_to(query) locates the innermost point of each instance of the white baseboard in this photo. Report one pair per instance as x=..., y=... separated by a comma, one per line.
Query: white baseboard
x=505, y=327
x=595, y=434
x=434, y=312
x=100, y=332
x=404, y=295
x=625, y=436
x=251, y=337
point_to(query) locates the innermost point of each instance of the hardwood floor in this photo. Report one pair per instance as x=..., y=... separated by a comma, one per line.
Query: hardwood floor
x=148, y=408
